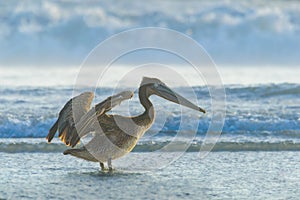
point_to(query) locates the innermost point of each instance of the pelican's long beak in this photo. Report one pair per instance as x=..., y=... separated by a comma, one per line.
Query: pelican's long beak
x=166, y=93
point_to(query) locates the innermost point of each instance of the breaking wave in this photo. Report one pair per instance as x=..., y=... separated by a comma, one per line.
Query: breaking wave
x=267, y=113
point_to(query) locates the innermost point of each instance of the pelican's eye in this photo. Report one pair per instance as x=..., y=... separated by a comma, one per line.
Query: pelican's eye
x=156, y=85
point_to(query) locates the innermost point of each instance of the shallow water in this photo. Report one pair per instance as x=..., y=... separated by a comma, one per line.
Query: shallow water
x=221, y=175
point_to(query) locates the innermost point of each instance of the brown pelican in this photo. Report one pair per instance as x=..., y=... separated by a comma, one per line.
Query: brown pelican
x=114, y=135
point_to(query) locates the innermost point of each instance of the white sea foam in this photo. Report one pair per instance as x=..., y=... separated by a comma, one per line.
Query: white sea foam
x=66, y=76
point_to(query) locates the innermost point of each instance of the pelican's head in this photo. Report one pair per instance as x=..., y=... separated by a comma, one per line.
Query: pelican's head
x=159, y=88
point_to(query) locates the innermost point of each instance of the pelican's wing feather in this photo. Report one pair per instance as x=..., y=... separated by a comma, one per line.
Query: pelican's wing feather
x=71, y=113
x=88, y=122
x=112, y=101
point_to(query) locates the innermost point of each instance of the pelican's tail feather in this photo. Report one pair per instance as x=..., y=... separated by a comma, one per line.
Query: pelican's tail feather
x=82, y=153
x=52, y=131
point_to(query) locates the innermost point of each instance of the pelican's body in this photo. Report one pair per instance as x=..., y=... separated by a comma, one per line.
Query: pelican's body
x=116, y=142
x=115, y=135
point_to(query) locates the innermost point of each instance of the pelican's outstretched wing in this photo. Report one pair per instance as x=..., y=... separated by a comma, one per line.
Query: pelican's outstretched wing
x=70, y=129
x=71, y=113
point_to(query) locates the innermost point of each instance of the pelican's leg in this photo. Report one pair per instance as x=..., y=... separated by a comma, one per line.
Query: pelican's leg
x=109, y=165
x=102, y=166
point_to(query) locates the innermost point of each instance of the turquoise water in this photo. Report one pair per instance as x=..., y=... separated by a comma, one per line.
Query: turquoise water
x=221, y=175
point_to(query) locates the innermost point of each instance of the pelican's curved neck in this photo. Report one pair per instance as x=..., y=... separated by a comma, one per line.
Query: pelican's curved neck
x=144, y=95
